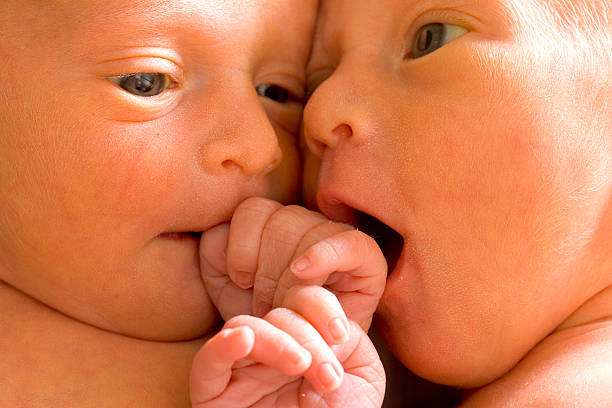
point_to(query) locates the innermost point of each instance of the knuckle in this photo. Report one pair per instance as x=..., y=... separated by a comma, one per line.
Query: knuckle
x=286, y=215
x=329, y=247
x=256, y=204
x=265, y=286
x=363, y=240
x=254, y=207
x=325, y=231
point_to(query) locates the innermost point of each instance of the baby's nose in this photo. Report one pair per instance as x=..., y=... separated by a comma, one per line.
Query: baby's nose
x=327, y=118
x=247, y=142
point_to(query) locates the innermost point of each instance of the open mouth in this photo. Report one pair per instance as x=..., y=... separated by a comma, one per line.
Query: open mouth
x=390, y=242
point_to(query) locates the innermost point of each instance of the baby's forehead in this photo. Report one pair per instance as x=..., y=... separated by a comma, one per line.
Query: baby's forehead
x=96, y=20
x=213, y=11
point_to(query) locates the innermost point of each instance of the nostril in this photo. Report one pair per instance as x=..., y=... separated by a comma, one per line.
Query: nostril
x=228, y=164
x=342, y=131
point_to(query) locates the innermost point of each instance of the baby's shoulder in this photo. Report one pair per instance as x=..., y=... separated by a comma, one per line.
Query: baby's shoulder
x=569, y=368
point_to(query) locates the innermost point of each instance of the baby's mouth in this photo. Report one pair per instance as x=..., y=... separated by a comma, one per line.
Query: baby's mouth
x=390, y=242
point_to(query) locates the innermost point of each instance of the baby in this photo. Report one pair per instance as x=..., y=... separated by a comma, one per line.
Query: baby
x=478, y=135
x=127, y=129
x=473, y=140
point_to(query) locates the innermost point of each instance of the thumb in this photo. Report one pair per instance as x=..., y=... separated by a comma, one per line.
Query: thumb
x=228, y=298
x=211, y=370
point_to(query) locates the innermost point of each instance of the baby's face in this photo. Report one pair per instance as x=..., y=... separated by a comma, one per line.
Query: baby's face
x=458, y=125
x=127, y=129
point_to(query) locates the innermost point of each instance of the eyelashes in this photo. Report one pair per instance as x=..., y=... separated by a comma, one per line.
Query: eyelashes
x=144, y=84
x=149, y=84
x=273, y=92
x=433, y=36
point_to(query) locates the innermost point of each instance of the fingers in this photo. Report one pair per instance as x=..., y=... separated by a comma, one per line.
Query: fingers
x=349, y=251
x=273, y=346
x=245, y=236
x=325, y=372
x=318, y=233
x=322, y=309
x=364, y=381
x=359, y=271
x=292, y=342
x=229, y=299
x=279, y=240
x=245, y=337
x=212, y=366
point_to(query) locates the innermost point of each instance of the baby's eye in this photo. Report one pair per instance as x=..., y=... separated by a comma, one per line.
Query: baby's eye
x=274, y=92
x=432, y=36
x=143, y=83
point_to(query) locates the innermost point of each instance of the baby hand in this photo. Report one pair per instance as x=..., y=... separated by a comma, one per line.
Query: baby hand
x=285, y=359
x=270, y=248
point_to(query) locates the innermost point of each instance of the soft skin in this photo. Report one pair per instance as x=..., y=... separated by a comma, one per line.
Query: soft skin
x=483, y=158
x=99, y=186
x=275, y=359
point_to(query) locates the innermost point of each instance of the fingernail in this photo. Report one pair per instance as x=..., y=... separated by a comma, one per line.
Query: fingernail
x=300, y=264
x=327, y=375
x=243, y=279
x=338, y=329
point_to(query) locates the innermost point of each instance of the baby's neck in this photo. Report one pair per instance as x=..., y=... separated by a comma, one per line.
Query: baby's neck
x=50, y=360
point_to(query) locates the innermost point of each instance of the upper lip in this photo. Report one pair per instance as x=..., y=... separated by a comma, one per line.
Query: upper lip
x=341, y=209
x=336, y=209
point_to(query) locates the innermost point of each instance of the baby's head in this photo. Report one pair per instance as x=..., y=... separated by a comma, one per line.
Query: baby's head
x=127, y=128
x=480, y=132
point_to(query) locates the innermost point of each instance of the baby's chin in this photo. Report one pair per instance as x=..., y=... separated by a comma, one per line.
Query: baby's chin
x=153, y=315
x=441, y=354
x=165, y=325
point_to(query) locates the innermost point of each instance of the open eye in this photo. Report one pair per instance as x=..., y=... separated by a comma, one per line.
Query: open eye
x=274, y=92
x=144, y=84
x=432, y=36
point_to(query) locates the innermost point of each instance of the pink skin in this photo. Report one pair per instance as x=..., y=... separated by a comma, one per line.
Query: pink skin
x=100, y=187
x=249, y=264
x=283, y=257
x=282, y=360
x=480, y=156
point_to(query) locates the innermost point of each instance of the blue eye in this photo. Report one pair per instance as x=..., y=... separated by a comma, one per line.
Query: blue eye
x=143, y=84
x=432, y=36
x=274, y=92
